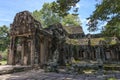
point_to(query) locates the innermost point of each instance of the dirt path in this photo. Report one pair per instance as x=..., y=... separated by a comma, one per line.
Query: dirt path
x=41, y=75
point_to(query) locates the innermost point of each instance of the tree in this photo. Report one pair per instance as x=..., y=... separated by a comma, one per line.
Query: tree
x=37, y=15
x=47, y=17
x=4, y=38
x=71, y=20
x=106, y=11
x=63, y=6
x=112, y=30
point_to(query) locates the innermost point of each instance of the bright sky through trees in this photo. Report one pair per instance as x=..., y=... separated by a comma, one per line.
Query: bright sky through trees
x=8, y=9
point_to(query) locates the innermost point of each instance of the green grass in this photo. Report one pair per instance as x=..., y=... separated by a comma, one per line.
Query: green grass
x=3, y=62
x=112, y=79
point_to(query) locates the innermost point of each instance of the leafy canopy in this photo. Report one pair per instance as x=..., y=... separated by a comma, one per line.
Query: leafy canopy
x=4, y=38
x=47, y=17
x=72, y=20
x=62, y=7
x=106, y=11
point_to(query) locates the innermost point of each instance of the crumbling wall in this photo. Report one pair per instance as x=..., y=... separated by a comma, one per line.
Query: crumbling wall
x=106, y=54
x=38, y=45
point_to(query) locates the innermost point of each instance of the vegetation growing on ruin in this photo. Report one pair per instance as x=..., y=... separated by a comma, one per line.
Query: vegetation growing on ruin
x=94, y=41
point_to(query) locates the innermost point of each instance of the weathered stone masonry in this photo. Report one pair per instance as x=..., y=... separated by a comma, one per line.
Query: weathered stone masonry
x=27, y=41
x=30, y=44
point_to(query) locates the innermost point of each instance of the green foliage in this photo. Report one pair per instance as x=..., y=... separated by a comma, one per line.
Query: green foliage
x=4, y=37
x=37, y=15
x=3, y=62
x=112, y=78
x=4, y=54
x=106, y=11
x=63, y=6
x=71, y=20
x=47, y=17
x=112, y=30
x=3, y=31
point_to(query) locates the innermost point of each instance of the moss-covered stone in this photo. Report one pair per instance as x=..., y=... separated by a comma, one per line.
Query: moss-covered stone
x=93, y=41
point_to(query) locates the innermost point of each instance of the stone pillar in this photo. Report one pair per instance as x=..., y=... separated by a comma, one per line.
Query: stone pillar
x=49, y=49
x=42, y=52
x=32, y=52
x=71, y=50
x=77, y=51
x=26, y=53
x=102, y=53
x=29, y=52
x=108, y=55
x=112, y=55
x=45, y=49
x=22, y=52
x=11, y=57
x=98, y=54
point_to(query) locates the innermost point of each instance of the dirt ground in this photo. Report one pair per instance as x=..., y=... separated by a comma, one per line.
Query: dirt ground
x=41, y=75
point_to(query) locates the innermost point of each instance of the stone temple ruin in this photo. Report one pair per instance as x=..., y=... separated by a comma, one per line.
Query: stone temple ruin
x=30, y=44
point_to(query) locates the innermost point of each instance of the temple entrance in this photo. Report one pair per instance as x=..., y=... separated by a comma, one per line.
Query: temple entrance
x=22, y=51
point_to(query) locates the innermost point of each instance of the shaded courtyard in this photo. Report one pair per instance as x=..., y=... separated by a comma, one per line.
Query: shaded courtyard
x=41, y=75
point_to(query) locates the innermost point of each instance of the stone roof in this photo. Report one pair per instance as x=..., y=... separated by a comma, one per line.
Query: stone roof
x=73, y=29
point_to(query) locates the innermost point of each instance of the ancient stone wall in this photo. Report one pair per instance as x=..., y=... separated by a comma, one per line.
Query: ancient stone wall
x=107, y=54
x=30, y=44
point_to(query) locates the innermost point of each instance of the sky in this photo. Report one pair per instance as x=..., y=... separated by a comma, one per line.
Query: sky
x=9, y=8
